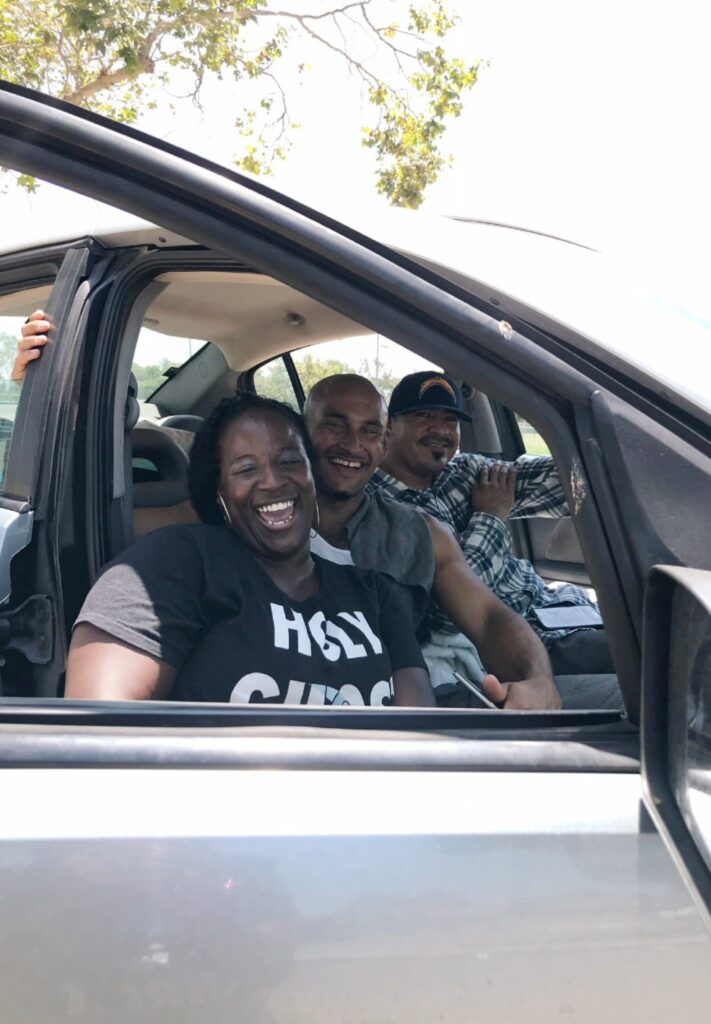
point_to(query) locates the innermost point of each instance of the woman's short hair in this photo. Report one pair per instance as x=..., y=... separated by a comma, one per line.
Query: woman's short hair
x=204, y=467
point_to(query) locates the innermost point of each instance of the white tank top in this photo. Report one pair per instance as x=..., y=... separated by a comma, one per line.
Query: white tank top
x=321, y=547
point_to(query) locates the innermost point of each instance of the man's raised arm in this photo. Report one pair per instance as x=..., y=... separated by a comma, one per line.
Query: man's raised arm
x=522, y=679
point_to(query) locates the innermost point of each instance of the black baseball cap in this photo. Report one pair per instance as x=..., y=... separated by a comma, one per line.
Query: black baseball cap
x=428, y=390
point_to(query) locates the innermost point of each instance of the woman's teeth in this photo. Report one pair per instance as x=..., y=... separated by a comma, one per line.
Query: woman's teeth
x=278, y=513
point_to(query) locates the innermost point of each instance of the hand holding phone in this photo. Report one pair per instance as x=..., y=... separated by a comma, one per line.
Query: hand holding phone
x=481, y=697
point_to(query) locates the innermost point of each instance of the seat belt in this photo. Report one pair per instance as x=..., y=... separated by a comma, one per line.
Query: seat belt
x=132, y=412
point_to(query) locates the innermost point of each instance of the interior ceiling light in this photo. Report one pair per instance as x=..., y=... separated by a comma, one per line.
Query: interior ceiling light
x=295, y=319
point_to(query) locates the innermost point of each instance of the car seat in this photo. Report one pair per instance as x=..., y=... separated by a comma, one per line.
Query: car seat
x=182, y=421
x=160, y=479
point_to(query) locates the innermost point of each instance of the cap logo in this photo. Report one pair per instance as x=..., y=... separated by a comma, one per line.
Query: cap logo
x=435, y=382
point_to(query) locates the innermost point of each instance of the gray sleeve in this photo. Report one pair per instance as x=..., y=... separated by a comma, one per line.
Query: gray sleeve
x=151, y=597
x=397, y=630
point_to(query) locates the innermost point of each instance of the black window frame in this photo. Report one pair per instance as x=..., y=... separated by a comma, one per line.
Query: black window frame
x=247, y=379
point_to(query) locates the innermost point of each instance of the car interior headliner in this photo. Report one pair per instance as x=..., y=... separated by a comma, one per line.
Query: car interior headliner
x=250, y=317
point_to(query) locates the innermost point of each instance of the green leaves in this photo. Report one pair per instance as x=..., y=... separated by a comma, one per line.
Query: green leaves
x=407, y=137
x=117, y=59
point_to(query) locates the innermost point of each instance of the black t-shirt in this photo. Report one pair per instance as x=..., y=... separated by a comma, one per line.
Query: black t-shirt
x=196, y=598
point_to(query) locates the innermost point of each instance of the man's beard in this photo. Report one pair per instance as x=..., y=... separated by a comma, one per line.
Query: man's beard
x=323, y=489
x=328, y=492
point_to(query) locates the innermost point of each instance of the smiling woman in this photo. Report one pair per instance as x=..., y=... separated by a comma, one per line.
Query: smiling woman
x=237, y=608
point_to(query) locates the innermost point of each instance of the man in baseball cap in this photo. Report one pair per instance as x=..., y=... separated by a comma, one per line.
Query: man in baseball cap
x=474, y=496
x=428, y=390
x=425, y=410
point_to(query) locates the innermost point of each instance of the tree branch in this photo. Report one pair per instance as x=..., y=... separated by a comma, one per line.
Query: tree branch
x=283, y=119
x=107, y=81
x=379, y=32
x=362, y=4
x=144, y=64
x=354, y=64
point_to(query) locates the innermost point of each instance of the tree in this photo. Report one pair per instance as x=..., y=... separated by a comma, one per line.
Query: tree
x=273, y=381
x=8, y=351
x=383, y=379
x=150, y=377
x=9, y=394
x=311, y=369
x=117, y=59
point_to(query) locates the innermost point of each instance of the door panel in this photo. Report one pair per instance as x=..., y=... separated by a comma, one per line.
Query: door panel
x=33, y=529
x=556, y=551
x=36, y=397
x=312, y=897
x=551, y=545
x=676, y=723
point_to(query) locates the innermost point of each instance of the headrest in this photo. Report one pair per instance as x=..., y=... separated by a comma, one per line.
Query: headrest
x=182, y=421
x=171, y=462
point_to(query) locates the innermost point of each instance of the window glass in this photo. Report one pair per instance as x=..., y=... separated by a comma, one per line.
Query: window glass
x=532, y=440
x=10, y=327
x=9, y=391
x=14, y=309
x=272, y=381
x=155, y=354
x=373, y=356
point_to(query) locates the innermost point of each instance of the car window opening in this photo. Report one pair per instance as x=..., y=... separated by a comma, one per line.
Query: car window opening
x=487, y=502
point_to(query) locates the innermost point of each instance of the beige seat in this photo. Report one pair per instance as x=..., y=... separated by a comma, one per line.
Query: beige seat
x=160, y=478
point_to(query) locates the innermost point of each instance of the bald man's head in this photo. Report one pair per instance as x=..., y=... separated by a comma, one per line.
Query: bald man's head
x=347, y=420
x=339, y=384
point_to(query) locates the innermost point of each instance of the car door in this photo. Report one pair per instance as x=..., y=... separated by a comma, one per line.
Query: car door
x=39, y=419
x=318, y=873
x=677, y=717
x=547, y=379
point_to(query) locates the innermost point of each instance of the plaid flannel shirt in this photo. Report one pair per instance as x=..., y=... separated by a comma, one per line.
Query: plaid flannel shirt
x=485, y=539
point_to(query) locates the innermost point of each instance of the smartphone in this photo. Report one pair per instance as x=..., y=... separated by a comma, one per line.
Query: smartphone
x=481, y=697
x=573, y=616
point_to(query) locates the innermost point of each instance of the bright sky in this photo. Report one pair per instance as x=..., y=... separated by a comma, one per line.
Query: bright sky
x=590, y=122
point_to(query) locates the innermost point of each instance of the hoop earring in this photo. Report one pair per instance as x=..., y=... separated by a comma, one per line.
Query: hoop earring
x=225, y=513
x=315, y=529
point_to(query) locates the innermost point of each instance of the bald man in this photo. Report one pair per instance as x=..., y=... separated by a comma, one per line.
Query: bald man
x=347, y=421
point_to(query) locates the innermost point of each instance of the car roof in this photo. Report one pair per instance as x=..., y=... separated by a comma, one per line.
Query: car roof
x=79, y=218
x=609, y=309
x=604, y=305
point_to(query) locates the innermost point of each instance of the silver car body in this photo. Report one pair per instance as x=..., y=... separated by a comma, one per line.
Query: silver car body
x=291, y=873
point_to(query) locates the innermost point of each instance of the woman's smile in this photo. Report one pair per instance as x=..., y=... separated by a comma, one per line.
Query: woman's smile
x=277, y=515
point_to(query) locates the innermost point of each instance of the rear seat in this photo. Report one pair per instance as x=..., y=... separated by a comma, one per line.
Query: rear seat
x=160, y=486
